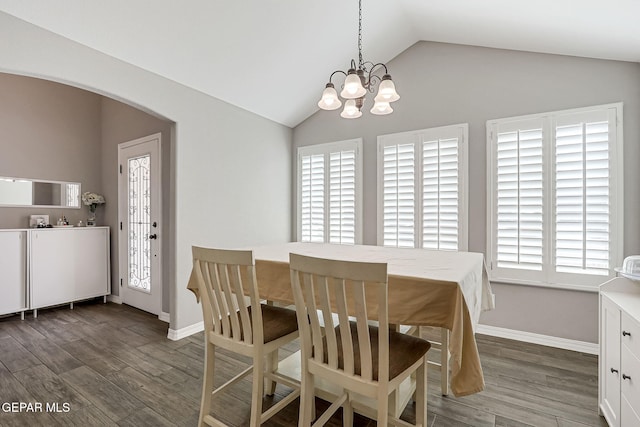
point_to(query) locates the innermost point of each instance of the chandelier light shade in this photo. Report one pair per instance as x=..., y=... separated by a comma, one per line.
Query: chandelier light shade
x=351, y=110
x=329, y=100
x=358, y=82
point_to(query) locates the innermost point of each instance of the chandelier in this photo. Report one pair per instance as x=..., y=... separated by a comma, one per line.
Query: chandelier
x=357, y=83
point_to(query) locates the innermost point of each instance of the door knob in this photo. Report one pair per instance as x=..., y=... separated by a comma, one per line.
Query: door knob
x=153, y=236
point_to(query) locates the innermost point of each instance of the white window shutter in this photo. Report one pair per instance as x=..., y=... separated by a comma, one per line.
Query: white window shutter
x=582, y=224
x=519, y=200
x=556, y=210
x=312, y=198
x=422, y=197
x=440, y=194
x=342, y=197
x=398, y=193
x=329, y=203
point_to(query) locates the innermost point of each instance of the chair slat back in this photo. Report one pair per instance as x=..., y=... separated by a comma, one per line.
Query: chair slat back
x=322, y=287
x=228, y=286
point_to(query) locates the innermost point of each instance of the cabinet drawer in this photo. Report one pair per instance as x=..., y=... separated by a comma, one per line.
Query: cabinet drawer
x=630, y=379
x=628, y=417
x=631, y=334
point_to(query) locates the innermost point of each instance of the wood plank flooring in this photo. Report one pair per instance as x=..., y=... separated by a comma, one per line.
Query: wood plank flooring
x=113, y=366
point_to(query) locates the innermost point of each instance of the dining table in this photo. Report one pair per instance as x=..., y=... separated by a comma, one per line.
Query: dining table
x=445, y=289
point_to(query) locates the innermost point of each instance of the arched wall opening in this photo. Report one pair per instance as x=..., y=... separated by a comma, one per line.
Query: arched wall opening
x=231, y=176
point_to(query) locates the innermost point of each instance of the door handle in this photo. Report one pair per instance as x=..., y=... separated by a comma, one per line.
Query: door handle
x=614, y=371
x=153, y=236
x=626, y=334
x=626, y=377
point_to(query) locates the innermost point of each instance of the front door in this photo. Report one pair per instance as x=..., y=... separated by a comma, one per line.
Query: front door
x=139, y=210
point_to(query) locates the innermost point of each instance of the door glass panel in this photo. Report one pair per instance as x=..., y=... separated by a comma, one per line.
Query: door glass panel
x=139, y=223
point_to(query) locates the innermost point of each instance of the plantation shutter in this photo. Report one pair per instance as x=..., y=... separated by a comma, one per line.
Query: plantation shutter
x=398, y=194
x=342, y=197
x=582, y=182
x=519, y=201
x=440, y=194
x=312, y=198
x=556, y=183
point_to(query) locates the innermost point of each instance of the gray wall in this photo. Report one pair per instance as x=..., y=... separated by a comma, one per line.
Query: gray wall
x=122, y=123
x=442, y=84
x=48, y=131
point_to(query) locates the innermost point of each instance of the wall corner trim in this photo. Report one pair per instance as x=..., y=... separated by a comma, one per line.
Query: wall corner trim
x=178, y=334
x=114, y=299
x=165, y=317
x=547, y=340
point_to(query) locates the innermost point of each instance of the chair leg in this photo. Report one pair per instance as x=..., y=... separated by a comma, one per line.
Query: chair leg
x=383, y=407
x=421, y=394
x=257, y=390
x=347, y=412
x=207, y=381
x=271, y=366
x=307, y=400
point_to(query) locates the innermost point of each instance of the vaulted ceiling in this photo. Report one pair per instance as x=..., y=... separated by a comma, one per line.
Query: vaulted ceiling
x=273, y=57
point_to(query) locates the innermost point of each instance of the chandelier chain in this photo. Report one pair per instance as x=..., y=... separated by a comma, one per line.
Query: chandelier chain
x=361, y=61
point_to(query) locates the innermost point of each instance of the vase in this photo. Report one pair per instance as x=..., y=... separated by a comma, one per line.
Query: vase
x=91, y=221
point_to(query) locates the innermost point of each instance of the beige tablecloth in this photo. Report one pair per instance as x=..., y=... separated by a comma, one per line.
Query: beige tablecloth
x=430, y=288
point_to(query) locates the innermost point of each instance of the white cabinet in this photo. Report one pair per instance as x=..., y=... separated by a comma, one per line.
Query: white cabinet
x=619, y=362
x=68, y=265
x=13, y=271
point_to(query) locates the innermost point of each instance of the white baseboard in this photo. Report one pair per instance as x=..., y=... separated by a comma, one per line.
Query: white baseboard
x=530, y=337
x=178, y=334
x=165, y=317
x=114, y=299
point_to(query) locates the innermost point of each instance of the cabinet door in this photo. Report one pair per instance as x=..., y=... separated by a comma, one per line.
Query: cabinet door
x=91, y=252
x=610, y=361
x=13, y=271
x=630, y=387
x=52, y=267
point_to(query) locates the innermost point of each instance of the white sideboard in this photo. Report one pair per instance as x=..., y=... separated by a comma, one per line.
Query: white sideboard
x=13, y=271
x=46, y=267
x=619, y=362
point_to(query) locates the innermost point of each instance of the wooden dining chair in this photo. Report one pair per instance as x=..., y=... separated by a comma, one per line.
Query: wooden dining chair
x=360, y=358
x=235, y=320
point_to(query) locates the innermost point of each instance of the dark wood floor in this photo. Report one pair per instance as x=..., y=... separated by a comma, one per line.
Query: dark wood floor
x=113, y=365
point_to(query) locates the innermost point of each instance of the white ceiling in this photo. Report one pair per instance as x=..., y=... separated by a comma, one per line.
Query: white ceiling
x=273, y=57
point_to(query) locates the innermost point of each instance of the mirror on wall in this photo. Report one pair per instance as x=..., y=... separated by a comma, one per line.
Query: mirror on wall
x=39, y=193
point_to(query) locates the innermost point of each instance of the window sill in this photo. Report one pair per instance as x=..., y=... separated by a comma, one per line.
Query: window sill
x=563, y=286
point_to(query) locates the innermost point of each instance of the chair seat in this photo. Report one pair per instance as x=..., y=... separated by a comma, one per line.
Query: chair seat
x=277, y=322
x=404, y=350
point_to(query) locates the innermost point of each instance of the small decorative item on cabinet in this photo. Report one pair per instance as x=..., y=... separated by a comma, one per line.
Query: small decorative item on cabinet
x=630, y=268
x=92, y=200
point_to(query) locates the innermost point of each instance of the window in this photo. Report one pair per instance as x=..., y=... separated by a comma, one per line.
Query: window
x=330, y=192
x=555, y=197
x=422, y=181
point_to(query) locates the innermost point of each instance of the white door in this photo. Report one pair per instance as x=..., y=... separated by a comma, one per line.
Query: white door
x=139, y=209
